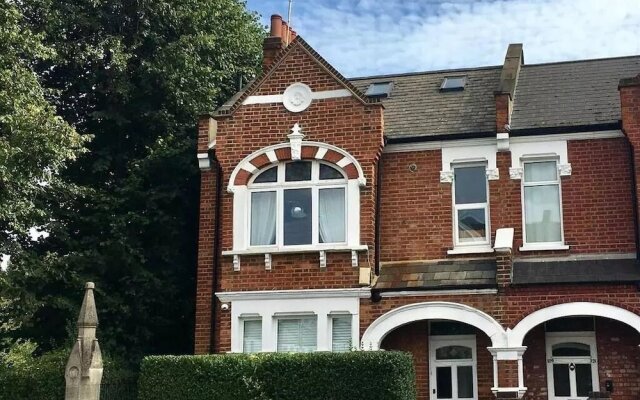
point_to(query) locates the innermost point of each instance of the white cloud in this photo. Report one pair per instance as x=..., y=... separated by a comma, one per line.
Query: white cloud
x=363, y=37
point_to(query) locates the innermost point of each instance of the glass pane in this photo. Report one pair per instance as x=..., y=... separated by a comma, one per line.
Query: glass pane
x=471, y=225
x=471, y=185
x=252, y=336
x=443, y=385
x=542, y=213
x=465, y=382
x=263, y=218
x=561, y=386
x=331, y=220
x=297, y=335
x=297, y=216
x=450, y=328
x=571, y=350
x=297, y=171
x=584, y=382
x=540, y=171
x=454, y=353
x=341, y=333
x=269, y=175
x=570, y=324
x=327, y=172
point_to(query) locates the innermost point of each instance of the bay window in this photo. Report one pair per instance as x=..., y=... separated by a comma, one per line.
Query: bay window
x=542, y=209
x=471, y=212
x=298, y=203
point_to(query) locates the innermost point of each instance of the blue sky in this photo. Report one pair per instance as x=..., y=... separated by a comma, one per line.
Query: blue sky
x=366, y=37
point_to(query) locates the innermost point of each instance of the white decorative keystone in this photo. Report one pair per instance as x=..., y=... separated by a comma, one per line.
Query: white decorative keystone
x=295, y=140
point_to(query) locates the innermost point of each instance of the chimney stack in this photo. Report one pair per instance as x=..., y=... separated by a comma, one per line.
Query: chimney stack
x=279, y=38
x=507, y=88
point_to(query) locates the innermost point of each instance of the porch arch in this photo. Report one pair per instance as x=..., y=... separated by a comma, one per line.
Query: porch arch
x=577, y=309
x=378, y=330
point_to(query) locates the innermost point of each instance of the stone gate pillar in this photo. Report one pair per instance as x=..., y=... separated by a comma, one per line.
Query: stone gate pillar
x=83, y=372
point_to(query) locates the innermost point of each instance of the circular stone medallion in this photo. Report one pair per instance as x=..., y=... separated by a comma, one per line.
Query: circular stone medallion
x=297, y=97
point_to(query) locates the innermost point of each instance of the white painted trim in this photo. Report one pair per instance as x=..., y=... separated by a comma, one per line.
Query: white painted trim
x=468, y=155
x=278, y=98
x=462, y=249
x=344, y=162
x=504, y=239
x=588, y=338
x=225, y=297
x=527, y=151
x=271, y=155
x=329, y=248
x=250, y=168
x=440, y=144
x=436, y=342
x=387, y=322
x=437, y=293
x=517, y=334
x=544, y=246
x=320, y=153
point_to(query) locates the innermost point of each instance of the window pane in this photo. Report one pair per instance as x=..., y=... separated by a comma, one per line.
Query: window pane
x=269, y=175
x=263, y=218
x=297, y=216
x=571, y=350
x=561, y=385
x=252, y=336
x=465, y=382
x=297, y=171
x=570, y=324
x=540, y=171
x=331, y=221
x=297, y=335
x=443, y=379
x=471, y=185
x=542, y=213
x=341, y=333
x=327, y=172
x=454, y=353
x=471, y=225
x=450, y=328
x=584, y=382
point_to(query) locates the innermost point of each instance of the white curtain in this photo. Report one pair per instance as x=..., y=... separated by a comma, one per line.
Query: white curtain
x=263, y=218
x=542, y=213
x=341, y=333
x=331, y=215
x=297, y=335
x=252, y=336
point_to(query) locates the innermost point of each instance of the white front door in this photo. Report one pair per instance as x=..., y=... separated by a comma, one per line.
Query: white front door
x=572, y=366
x=452, y=367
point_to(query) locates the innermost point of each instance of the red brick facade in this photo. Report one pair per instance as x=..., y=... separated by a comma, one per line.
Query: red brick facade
x=415, y=221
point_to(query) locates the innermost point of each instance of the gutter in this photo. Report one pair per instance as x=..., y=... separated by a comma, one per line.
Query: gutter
x=376, y=294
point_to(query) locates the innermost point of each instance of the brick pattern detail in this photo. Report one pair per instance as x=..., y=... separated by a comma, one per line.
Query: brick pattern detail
x=503, y=112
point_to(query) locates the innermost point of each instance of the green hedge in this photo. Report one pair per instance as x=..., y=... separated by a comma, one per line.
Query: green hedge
x=270, y=376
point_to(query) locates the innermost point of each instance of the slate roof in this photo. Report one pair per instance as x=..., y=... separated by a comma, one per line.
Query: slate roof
x=444, y=274
x=575, y=271
x=555, y=95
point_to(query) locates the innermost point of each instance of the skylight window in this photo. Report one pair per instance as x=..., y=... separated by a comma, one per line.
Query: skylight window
x=379, y=89
x=452, y=83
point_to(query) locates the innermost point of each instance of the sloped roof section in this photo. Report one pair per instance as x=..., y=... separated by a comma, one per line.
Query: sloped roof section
x=576, y=93
x=438, y=275
x=417, y=107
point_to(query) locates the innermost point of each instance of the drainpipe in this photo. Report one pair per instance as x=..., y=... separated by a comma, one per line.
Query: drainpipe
x=377, y=218
x=634, y=197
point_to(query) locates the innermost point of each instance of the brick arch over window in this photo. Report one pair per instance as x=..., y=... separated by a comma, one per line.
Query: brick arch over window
x=576, y=309
x=381, y=327
x=257, y=160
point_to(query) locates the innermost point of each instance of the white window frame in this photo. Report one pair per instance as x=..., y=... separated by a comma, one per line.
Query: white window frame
x=486, y=244
x=438, y=341
x=315, y=184
x=333, y=316
x=300, y=316
x=559, y=245
x=244, y=319
x=586, y=337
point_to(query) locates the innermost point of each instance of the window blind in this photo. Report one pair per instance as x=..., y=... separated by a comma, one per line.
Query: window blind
x=297, y=335
x=252, y=336
x=341, y=333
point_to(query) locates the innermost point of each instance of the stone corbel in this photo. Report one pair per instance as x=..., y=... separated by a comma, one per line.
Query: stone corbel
x=446, y=176
x=515, y=172
x=502, y=141
x=493, y=174
x=236, y=262
x=267, y=262
x=354, y=258
x=564, y=169
x=295, y=141
x=323, y=259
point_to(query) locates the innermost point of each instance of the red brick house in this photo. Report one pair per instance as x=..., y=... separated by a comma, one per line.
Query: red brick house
x=484, y=219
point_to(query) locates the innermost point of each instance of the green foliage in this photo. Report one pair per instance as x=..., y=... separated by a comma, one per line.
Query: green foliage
x=134, y=76
x=281, y=376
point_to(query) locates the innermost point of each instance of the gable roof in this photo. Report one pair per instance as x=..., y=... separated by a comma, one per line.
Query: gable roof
x=234, y=102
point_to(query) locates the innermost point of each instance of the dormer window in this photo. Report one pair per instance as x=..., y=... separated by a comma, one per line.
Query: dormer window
x=379, y=89
x=298, y=203
x=453, y=83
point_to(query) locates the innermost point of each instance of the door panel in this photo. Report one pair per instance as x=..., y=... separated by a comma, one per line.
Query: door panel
x=444, y=382
x=465, y=382
x=561, y=380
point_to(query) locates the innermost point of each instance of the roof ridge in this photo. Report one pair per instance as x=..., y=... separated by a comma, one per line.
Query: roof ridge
x=582, y=61
x=439, y=71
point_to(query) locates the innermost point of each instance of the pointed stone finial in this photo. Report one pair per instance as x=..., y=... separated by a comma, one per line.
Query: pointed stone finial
x=88, y=314
x=295, y=140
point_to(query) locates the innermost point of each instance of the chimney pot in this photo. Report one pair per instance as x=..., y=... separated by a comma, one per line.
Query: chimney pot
x=276, y=26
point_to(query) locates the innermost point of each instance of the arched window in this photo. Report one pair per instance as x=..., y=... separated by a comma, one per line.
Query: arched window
x=298, y=203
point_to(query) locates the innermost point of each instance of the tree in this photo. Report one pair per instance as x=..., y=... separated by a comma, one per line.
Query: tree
x=35, y=147
x=134, y=75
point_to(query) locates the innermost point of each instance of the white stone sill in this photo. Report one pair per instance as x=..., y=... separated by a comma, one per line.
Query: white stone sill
x=294, y=250
x=544, y=247
x=470, y=250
